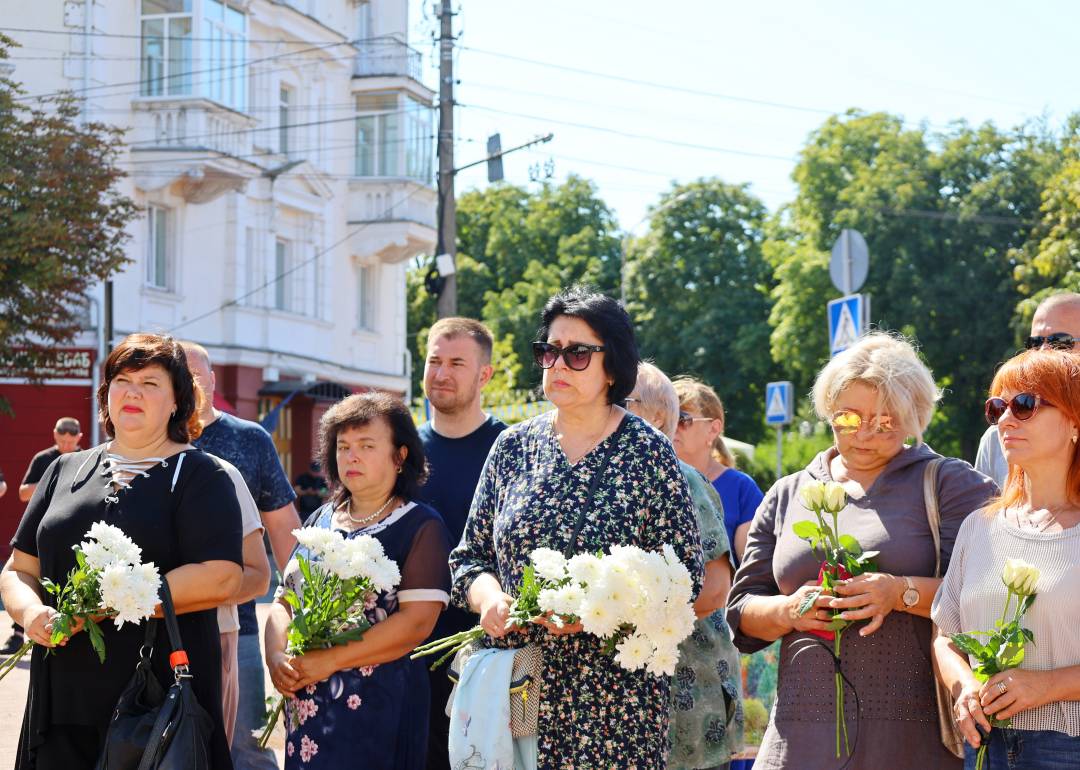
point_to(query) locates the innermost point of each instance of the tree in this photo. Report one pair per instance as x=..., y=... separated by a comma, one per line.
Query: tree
x=940, y=214
x=515, y=249
x=698, y=290
x=62, y=222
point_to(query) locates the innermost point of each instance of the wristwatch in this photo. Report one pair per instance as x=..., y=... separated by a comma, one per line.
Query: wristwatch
x=911, y=595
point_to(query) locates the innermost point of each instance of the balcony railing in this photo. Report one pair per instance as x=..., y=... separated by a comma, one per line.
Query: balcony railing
x=190, y=123
x=388, y=57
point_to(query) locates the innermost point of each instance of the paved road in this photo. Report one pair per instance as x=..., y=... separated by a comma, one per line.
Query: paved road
x=13, y=701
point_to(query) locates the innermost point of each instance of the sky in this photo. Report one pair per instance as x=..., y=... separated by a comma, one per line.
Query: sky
x=733, y=90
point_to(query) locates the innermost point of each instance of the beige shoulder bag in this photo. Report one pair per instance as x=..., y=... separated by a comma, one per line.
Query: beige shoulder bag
x=950, y=734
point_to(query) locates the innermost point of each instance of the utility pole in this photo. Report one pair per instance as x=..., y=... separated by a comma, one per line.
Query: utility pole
x=447, y=240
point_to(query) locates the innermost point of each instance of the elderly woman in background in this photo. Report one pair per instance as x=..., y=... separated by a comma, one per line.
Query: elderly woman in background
x=592, y=712
x=177, y=504
x=706, y=714
x=876, y=395
x=365, y=703
x=1036, y=408
x=699, y=441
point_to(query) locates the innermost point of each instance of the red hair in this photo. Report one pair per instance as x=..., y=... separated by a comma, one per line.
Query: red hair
x=1053, y=375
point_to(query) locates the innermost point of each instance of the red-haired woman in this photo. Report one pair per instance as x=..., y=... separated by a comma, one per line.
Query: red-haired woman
x=1035, y=404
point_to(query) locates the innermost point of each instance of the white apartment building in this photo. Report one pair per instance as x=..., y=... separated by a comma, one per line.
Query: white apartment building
x=283, y=155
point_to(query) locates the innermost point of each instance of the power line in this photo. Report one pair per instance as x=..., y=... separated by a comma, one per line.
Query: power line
x=270, y=282
x=631, y=135
x=651, y=84
x=84, y=33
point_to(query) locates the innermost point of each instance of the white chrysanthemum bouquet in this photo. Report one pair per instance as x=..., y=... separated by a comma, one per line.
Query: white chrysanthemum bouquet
x=638, y=603
x=339, y=580
x=109, y=579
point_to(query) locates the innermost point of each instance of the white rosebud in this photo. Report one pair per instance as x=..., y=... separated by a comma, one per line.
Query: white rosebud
x=835, y=498
x=1020, y=577
x=812, y=495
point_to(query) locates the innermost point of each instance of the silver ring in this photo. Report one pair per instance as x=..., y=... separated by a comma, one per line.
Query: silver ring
x=1002, y=688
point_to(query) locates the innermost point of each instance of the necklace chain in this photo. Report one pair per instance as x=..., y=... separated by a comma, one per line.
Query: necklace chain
x=372, y=517
x=594, y=440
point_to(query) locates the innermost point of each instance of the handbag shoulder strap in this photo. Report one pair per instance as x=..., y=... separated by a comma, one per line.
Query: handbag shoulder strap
x=933, y=513
x=594, y=483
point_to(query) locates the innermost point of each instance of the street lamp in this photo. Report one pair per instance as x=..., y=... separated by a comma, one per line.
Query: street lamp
x=625, y=240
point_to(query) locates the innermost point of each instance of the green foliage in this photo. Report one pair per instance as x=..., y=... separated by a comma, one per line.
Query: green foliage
x=62, y=222
x=698, y=290
x=756, y=717
x=798, y=451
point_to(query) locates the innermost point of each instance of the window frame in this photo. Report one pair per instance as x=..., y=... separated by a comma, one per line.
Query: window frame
x=159, y=229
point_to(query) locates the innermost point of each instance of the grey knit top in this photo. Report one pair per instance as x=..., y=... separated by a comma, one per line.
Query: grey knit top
x=972, y=597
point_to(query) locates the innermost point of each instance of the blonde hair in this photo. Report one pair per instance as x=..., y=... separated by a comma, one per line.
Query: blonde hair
x=696, y=395
x=888, y=363
x=658, y=397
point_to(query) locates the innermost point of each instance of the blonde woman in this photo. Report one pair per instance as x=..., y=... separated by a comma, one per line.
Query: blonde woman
x=699, y=441
x=879, y=398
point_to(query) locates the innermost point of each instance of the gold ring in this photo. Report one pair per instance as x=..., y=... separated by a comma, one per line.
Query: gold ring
x=1002, y=688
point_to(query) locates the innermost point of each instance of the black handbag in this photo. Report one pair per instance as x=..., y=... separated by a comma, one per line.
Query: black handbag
x=152, y=729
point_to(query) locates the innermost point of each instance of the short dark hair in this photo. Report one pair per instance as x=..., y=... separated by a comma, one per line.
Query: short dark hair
x=138, y=351
x=611, y=323
x=360, y=409
x=457, y=326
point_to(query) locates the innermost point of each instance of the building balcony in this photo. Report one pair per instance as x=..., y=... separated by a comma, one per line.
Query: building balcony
x=388, y=58
x=194, y=141
x=396, y=218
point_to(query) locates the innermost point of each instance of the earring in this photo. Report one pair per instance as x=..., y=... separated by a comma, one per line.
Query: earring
x=401, y=468
x=174, y=415
x=1074, y=438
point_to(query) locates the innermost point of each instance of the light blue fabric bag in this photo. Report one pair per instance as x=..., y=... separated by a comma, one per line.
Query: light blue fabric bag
x=480, y=717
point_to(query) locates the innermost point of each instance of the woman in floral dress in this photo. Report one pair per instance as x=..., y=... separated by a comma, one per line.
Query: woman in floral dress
x=365, y=703
x=592, y=713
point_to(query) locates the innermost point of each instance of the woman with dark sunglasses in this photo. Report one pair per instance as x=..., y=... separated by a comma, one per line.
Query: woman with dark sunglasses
x=1035, y=407
x=535, y=491
x=879, y=398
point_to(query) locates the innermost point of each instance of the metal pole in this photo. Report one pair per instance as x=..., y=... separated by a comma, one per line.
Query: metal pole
x=845, y=245
x=108, y=324
x=447, y=240
x=779, y=451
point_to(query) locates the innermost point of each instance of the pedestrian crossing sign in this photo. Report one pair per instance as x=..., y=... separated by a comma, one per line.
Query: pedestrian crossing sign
x=779, y=403
x=847, y=321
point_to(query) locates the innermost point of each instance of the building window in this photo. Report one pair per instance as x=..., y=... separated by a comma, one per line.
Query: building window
x=365, y=297
x=157, y=247
x=282, y=277
x=419, y=140
x=225, y=54
x=393, y=137
x=363, y=22
x=285, y=97
x=166, y=47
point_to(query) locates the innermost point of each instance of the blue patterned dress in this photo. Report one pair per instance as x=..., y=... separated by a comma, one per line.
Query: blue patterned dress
x=373, y=717
x=593, y=713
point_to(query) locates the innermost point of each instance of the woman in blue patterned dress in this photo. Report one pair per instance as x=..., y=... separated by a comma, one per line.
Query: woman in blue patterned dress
x=592, y=713
x=365, y=704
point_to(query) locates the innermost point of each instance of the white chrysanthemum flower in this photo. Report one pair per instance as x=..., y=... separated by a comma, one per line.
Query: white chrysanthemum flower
x=585, y=568
x=386, y=574
x=663, y=662
x=337, y=561
x=97, y=556
x=317, y=540
x=597, y=617
x=633, y=652
x=549, y=563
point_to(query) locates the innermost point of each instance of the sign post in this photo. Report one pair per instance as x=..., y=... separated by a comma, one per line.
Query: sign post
x=779, y=411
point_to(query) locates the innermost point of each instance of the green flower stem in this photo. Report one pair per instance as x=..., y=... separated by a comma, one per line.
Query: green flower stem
x=9, y=664
x=264, y=738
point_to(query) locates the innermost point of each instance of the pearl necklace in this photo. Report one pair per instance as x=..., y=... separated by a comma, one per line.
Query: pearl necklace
x=372, y=517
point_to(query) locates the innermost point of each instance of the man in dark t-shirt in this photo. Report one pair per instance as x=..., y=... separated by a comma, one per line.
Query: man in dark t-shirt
x=250, y=448
x=456, y=442
x=66, y=437
x=310, y=489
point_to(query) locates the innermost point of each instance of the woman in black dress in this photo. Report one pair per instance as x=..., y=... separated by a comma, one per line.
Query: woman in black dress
x=175, y=503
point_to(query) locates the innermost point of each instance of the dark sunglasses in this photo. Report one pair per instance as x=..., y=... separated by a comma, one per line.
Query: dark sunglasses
x=1057, y=341
x=576, y=356
x=1022, y=406
x=847, y=423
x=686, y=419
x=67, y=432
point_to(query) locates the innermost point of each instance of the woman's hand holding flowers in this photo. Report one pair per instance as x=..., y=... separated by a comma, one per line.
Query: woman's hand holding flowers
x=869, y=596
x=315, y=666
x=1024, y=689
x=558, y=630
x=495, y=614
x=969, y=712
x=285, y=678
x=818, y=619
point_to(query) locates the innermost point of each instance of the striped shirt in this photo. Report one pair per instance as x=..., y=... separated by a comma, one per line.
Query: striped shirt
x=972, y=598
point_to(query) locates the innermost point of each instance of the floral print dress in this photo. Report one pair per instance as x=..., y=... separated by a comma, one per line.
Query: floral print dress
x=706, y=705
x=374, y=716
x=592, y=713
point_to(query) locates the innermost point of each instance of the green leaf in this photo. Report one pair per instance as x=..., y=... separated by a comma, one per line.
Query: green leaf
x=969, y=645
x=838, y=624
x=807, y=530
x=850, y=544
x=807, y=603
x=97, y=639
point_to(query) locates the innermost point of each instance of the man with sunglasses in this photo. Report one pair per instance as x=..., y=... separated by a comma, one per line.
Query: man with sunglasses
x=1056, y=325
x=66, y=437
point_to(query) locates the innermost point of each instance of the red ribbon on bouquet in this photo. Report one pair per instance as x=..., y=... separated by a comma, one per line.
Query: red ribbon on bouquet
x=838, y=572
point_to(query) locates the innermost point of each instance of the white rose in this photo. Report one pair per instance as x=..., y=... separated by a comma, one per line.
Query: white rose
x=835, y=498
x=812, y=495
x=1020, y=577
